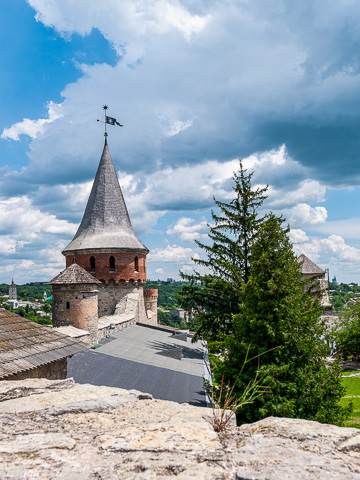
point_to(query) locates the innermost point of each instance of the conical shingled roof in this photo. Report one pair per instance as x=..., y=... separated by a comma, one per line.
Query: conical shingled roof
x=308, y=267
x=74, y=275
x=106, y=222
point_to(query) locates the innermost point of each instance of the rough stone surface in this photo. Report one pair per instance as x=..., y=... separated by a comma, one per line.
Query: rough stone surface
x=62, y=430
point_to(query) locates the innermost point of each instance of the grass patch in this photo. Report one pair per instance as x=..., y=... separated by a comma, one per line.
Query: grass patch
x=348, y=370
x=352, y=394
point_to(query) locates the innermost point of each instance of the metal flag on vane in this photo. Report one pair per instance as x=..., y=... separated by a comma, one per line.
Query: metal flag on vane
x=108, y=121
x=112, y=121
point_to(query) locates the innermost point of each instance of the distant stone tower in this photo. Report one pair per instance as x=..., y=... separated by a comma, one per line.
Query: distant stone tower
x=107, y=247
x=151, y=301
x=318, y=284
x=12, y=291
x=75, y=300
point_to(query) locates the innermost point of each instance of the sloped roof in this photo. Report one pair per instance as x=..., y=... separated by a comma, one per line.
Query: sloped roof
x=120, y=361
x=25, y=345
x=106, y=222
x=308, y=267
x=73, y=275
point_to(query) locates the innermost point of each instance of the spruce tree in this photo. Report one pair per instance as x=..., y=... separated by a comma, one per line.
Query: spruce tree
x=280, y=322
x=213, y=298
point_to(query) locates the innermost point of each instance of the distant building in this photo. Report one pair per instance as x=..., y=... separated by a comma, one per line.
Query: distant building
x=178, y=312
x=318, y=284
x=170, y=280
x=13, y=303
x=12, y=290
x=334, y=281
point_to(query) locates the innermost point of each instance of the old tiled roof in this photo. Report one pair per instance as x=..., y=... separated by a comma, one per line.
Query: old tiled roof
x=73, y=275
x=25, y=345
x=308, y=267
x=106, y=222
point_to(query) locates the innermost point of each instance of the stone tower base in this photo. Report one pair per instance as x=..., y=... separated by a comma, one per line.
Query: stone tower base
x=119, y=298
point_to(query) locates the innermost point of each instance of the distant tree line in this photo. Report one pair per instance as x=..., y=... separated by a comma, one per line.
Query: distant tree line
x=27, y=292
x=341, y=293
x=30, y=313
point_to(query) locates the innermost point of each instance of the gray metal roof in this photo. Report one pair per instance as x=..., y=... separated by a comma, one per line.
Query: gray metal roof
x=137, y=358
x=25, y=345
x=308, y=267
x=106, y=223
x=74, y=275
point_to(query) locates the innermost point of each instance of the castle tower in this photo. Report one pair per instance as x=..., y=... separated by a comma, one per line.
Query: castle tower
x=12, y=291
x=151, y=301
x=107, y=247
x=75, y=300
x=317, y=282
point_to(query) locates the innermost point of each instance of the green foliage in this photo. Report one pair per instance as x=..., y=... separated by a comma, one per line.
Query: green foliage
x=341, y=293
x=165, y=318
x=30, y=313
x=348, y=335
x=214, y=298
x=167, y=292
x=281, y=323
x=27, y=292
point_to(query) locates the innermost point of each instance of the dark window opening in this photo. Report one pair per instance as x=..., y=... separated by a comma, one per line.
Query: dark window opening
x=92, y=264
x=112, y=264
x=67, y=305
x=136, y=265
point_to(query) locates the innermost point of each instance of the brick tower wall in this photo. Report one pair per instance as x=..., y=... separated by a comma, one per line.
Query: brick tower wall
x=151, y=301
x=76, y=305
x=125, y=265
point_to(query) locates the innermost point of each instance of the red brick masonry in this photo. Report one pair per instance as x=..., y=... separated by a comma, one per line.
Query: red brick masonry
x=124, y=266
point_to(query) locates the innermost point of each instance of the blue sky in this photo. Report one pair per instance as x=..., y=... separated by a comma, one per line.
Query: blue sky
x=197, y=85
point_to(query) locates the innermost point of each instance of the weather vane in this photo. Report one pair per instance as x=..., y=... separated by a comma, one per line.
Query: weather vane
x=108, y=120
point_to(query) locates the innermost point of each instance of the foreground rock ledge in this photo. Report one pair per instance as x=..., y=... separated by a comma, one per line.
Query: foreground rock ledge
x=62, y=430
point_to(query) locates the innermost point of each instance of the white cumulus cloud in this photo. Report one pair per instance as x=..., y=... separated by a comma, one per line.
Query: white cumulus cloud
x=188, y=231
x=304, y=214
x=32, y=128
x=171, y=253
x=298, y=236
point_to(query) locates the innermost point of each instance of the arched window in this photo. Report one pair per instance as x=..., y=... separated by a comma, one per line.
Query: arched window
x=92, y=264
x=136, y=262
x=67, y=305
x=112, y=264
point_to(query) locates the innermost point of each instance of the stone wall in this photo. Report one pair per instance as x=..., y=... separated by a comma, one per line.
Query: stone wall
x=61, y=430
x=106, y=331
x=124, y=265
x=53, y=371
x=317, y=285
x=117, y=299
